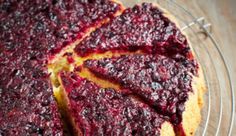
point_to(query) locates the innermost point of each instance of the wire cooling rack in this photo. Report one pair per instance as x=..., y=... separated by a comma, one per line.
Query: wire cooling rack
x=219, y=100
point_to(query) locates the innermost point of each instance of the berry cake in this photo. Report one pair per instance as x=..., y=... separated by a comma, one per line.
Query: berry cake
x=95, y=68
x=32, y=32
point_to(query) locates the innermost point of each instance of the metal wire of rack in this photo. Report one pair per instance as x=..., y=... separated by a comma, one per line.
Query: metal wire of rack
x=219, y=108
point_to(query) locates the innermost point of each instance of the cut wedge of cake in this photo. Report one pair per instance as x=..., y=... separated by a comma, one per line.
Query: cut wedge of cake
x=161, y=82
x=104, y=111
x=140, y=28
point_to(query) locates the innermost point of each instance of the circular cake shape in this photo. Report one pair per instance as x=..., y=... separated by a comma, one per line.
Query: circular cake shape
x=32, y=35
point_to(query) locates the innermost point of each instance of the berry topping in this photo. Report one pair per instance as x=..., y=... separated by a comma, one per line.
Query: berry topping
x=162, y=82
x=104, y=111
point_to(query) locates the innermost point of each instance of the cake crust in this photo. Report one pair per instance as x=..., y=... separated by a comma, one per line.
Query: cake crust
x=192, y=113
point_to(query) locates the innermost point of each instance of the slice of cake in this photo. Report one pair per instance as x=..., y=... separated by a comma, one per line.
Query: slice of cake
x=161, y=82
x=143, y=28
x=104, y=111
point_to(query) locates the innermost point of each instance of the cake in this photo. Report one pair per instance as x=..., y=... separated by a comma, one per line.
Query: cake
x=86, y=63
x=31, y=33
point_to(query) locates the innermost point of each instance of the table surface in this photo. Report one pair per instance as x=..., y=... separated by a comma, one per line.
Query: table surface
x=221, y=14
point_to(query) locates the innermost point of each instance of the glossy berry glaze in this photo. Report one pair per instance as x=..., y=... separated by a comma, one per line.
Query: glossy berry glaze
x=30, y=33
x=140, y=28
x=161, y=82
x=104, y=111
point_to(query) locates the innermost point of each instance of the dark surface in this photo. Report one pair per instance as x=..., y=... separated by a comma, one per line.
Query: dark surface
x=104, y=111
x=162, y=82
x=30, y=33
x=140, y=28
